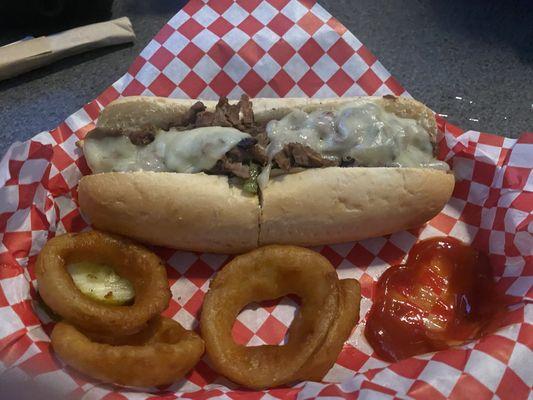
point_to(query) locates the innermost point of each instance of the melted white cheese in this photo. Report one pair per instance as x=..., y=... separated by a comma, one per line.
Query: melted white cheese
x=111, y=153
x=189, y=151
x=359, y=130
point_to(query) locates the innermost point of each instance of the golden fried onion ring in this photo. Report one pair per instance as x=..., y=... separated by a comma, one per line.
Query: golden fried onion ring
x=160, y=354
x=267, y=273
x=322, y=361
x=141, y=267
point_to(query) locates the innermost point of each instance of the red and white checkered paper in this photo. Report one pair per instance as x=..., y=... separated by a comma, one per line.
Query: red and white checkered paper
x=274, y=48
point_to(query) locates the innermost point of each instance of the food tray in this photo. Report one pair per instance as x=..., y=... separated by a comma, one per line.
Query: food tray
x=274, y=48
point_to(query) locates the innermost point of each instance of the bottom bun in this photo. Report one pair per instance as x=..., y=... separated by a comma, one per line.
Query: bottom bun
x=200, y=212
x=336, y=205
x=195, y=212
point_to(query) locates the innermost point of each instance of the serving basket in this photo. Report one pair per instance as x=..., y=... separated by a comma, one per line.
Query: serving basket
x=273, y=48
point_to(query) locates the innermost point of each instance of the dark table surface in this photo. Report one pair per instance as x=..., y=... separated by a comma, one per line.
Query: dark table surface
x=470, y=60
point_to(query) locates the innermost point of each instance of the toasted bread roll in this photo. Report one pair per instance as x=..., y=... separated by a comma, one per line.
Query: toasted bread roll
x=196, y=212
x=313, y=205
x=336, y=205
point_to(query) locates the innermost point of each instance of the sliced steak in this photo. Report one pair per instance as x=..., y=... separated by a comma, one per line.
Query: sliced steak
x=283, y=160
x=190, y=116
x=138, y=137
x=239, y=116
x=226, y=166
x=246, y=109
x=298, y=155
x=305, y=156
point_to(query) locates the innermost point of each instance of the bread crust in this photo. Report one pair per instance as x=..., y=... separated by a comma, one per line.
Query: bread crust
x=195, y=212
x=139, y=111
x=336, y=205
x=202, y=212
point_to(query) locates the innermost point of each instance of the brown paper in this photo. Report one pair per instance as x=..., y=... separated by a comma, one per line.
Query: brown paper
x=23, y=56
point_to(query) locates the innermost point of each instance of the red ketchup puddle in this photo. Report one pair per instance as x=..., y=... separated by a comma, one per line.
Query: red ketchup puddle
x=445, y=295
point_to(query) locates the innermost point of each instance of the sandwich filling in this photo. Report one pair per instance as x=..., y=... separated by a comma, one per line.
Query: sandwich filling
x=228, y=141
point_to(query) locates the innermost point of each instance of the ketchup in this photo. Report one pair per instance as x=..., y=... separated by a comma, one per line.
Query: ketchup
x=443, y=296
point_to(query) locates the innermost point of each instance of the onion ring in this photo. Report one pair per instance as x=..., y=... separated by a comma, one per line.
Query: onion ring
x=160, y=354
x=267, y=273
x=141, y=267
x=322, y=361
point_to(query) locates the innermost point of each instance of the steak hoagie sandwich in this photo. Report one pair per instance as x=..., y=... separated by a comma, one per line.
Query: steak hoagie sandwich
x=221, y=177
